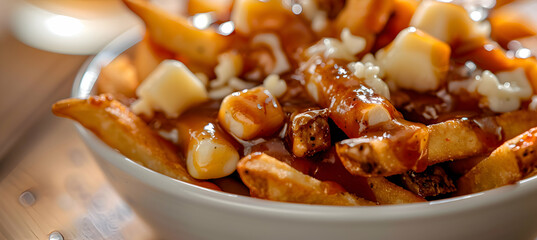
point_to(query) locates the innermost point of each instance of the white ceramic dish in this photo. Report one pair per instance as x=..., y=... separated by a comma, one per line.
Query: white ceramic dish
x=180, y=210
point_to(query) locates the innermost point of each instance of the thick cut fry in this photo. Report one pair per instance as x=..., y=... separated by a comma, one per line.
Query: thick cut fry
x=177, y=35
x=365, y=18
x=450, y=140
x=148, y=56
x=387, y=192
x=121, y=129
x=399, y=20
x=118, y=77
x=220, y=9
x=458, y=139
x=507, y=25
x=512, y=161
x=271, y=179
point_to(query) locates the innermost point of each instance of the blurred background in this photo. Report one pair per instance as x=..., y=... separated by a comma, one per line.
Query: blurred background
x=50, y=186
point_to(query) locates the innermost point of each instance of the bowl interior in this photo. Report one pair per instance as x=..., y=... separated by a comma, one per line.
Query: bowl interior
x=83, y=86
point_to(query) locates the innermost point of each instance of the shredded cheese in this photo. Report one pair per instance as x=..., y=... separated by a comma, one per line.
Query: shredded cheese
x=276, y=86
x=503, y=91
x=345, y=49
x=370, y=74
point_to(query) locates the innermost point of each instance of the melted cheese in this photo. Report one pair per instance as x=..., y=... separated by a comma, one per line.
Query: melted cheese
x=505, y=90
x=345, y=49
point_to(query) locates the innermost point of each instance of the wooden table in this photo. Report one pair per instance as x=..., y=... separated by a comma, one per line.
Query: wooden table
x=49, y=182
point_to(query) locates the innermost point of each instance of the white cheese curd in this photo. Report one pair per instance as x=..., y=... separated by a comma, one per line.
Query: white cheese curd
x=533, y=103
x=415, y=61
x=239, y=84
x=229, y=65
x=449, y=23
x=171, y=88
x=353, y=44
x=172, y=135
x=221, y=92
x=208, y=159
x=345, y=49
x=369, y=73
x=276, y=86
x=317, y=17
x=505, y=90
x=370, y=58
x=281, y=63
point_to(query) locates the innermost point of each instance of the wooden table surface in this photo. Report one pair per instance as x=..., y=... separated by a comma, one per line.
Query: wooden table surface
x=49, y=182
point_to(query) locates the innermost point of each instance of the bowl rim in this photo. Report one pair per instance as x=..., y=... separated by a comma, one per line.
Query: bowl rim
x=83, y=85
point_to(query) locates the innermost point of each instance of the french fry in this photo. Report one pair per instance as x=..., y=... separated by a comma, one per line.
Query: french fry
x=512, y=161
x=387, y=192
x=507, y=25
x=177, y=35
x=148, y=56
x=271, y=179
x=121, y=129
x=399, y=20
x=365, y=18
x=118, y=77
x=450, y=140
x=458, y=139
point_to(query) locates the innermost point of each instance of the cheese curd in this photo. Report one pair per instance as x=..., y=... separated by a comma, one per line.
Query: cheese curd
x=345, y=49
x=450, y=23
x=171, y=88
x=415, y=61
x=503, y=91
x=276, y=86
x=208, y=158
x=227, y=81
x=370, y=74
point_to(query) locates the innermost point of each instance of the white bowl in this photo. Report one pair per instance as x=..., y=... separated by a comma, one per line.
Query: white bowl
x=179, y=210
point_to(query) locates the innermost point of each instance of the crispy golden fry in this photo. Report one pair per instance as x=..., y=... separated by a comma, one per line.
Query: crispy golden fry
x=148, y=56
x=177, y=35
x=365, y=18
x=508, y=25
x=121, y=129
x=458, y=139
x=387, y=192
x=450, y=140
x=512, y=161
x=371, y=157
x=271, y=179
x=118, y=77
